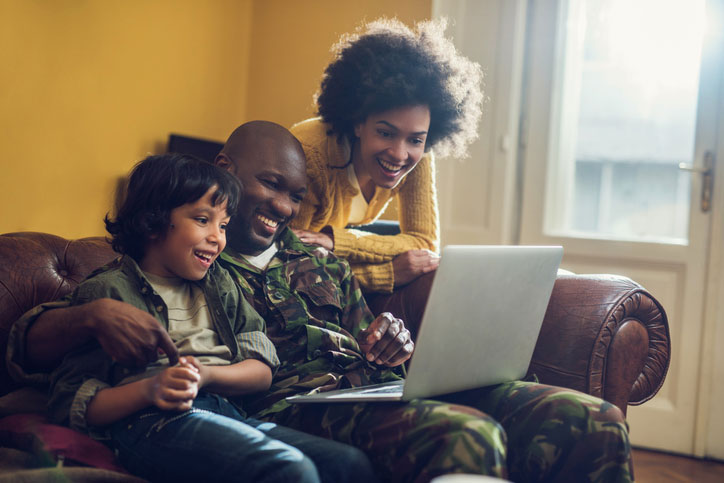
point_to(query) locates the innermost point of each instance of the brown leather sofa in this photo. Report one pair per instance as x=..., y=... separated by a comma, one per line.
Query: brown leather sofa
x=604, y=335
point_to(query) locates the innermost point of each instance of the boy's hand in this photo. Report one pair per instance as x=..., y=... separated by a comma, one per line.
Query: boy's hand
x=386, y=341
x=194, y=364
x=175, y=388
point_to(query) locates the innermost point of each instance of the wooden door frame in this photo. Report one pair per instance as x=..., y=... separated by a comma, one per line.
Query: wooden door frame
x=710, y=419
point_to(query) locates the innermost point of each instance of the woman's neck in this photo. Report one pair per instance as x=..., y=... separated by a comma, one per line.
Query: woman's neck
x=366, y=185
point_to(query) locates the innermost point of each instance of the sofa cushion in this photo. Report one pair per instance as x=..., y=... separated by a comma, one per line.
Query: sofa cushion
x=32, y=433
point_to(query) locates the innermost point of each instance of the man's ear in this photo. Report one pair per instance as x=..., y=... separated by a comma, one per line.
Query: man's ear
x=223, y=162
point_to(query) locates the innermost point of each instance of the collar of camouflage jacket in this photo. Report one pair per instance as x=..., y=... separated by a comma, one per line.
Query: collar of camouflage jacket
x=289, y=247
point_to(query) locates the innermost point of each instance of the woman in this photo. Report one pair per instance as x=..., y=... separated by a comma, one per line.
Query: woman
x=390, y=96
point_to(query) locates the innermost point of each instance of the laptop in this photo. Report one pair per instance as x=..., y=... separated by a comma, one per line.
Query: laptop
x=480, y=325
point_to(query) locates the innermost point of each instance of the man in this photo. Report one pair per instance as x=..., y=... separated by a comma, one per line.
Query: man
x=326, y=337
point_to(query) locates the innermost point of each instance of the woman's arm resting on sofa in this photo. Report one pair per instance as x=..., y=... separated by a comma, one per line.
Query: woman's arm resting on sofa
x=129, y=335
x=410, y=265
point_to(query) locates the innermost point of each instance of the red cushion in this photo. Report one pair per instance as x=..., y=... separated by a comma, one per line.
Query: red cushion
x=31, y=432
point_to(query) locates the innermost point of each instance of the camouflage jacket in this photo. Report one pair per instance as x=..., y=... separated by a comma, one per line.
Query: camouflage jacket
x=314, y=310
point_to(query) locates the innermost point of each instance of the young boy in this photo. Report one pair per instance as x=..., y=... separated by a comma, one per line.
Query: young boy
x=176, y=423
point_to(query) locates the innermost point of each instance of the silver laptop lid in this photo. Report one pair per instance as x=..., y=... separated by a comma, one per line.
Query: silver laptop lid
x=482, y=318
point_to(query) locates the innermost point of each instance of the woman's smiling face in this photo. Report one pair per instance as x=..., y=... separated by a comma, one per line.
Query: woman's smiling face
x=390, y=144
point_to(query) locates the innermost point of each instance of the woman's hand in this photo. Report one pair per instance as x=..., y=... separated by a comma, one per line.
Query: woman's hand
x=175, y=388
x=315, y=238
x=410, y=265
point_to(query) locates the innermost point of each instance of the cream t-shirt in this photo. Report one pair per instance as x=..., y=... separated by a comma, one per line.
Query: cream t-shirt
x=358, y=205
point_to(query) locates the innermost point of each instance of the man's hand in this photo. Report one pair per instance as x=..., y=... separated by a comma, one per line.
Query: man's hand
x=411, y=264
x=129, y=335
x=315, y=238
x=386, y=341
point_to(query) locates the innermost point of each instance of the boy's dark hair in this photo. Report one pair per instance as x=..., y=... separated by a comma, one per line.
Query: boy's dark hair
x=156, y=186
x=386, y=65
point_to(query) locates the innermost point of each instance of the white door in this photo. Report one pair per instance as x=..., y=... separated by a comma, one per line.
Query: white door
x=478, y=195
x=620, y=117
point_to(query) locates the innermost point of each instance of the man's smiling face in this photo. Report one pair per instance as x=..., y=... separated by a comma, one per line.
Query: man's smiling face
x=274, y=180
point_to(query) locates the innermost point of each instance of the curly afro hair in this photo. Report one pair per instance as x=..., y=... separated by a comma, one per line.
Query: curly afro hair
x=386, y=65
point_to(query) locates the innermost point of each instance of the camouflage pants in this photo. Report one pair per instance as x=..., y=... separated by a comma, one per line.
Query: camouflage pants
x=523, y=431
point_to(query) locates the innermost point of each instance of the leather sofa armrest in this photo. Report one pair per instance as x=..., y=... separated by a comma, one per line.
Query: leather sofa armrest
x=604, y=335
x=40, y=267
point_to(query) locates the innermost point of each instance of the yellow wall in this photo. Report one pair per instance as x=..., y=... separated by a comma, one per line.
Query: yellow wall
x=291, y=44
x=88, y=87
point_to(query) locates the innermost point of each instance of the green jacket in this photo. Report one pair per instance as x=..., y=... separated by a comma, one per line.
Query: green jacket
x=89, y=369
x=314, y=309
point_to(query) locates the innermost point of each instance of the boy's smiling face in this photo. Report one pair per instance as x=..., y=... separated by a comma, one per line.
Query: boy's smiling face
x=195, y=237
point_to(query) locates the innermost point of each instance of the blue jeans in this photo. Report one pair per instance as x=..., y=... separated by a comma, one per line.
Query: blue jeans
x=214, y=442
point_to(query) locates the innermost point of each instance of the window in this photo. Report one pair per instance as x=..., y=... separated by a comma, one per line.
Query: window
x=627, y=88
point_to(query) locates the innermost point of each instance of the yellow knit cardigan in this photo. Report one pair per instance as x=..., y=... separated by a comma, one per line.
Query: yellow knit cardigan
x=328, y=204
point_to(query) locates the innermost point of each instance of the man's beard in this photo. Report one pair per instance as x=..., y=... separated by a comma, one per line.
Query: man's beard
x=239, y=236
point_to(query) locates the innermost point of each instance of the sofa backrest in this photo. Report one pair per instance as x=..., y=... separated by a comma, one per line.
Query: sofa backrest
x=37, y=268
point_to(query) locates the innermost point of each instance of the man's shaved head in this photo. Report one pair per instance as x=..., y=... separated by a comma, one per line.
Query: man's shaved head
x=269, y=161
x=252, y=134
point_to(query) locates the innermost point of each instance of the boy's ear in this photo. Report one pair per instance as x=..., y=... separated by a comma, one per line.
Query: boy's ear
x=159, y=234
